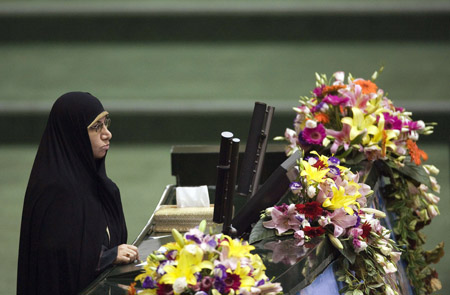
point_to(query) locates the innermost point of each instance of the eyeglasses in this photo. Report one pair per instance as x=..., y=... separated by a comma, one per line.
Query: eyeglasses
x=98, y=126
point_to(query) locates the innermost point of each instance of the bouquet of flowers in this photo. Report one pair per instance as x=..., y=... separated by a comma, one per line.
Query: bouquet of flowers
x=355, y=117
x=355, y=122
x=328, y=200
x=200, y=264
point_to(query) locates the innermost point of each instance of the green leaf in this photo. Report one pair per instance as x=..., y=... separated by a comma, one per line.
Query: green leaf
x=348, y=253
x=417, y=173
x=358, y=139
x=259, y=232
x=357, y=158
x=357, y=292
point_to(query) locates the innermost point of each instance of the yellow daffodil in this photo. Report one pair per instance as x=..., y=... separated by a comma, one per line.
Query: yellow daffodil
x=312, y=173
x=359, y=123
x=340, y=200
x=237, y=248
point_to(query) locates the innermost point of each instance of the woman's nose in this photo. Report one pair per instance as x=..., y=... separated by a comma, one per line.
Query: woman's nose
x=106, y=134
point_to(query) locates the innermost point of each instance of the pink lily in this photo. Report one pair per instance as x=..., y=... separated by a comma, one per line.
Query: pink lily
x=340, y=137
x=283, y=222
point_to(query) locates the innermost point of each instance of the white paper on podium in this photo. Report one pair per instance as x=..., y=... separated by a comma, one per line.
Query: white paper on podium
x=192, y=196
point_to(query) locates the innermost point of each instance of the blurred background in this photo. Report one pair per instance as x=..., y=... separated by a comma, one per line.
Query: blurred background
x=180, y=72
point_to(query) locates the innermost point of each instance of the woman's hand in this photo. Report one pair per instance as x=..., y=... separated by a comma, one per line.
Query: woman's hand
x=126, y=254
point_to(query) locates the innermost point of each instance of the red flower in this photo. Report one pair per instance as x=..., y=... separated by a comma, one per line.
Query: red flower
x=311, y=209
x=313, y=231
x=164, y=289
x=319, y=164
x=366, y=230
x=232, y=281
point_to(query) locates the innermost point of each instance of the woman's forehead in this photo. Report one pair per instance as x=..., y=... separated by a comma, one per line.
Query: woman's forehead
x=100, y=116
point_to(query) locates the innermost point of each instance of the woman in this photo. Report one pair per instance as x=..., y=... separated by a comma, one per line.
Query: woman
x=73, y=225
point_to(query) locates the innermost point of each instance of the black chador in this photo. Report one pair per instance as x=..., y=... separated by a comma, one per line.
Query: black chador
x=69, y=204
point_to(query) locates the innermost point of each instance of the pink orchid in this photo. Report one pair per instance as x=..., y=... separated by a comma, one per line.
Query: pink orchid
x=340, y=137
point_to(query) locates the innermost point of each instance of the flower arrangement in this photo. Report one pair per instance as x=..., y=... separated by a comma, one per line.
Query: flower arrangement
x=355, y=117
x=200, y=264
x=355, y=122
x=328, y=200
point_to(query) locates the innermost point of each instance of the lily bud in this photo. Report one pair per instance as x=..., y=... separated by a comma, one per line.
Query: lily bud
x=335, y=241
x=433, y=169
x=377, y=213
x=202, y=226
x=178, y=237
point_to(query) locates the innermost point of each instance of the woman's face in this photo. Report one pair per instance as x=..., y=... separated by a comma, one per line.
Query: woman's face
x=100, y=137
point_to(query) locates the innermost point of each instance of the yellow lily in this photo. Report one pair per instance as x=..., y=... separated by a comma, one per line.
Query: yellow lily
x=258, y=267
x=189, y=263
x=237, y=248
x=359, y=123
x=312, y=173
x=340, y=200
x=246, y=281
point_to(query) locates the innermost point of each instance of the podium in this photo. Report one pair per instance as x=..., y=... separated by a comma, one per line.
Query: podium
x=310, y=269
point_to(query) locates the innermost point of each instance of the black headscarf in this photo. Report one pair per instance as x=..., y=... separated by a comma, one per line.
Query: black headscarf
x=68, y=204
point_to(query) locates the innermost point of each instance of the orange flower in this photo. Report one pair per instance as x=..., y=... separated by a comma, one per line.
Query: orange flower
x=367, y=86
x=415, y=152
x=322, y=118
x=331, y=89
x=132, y=289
